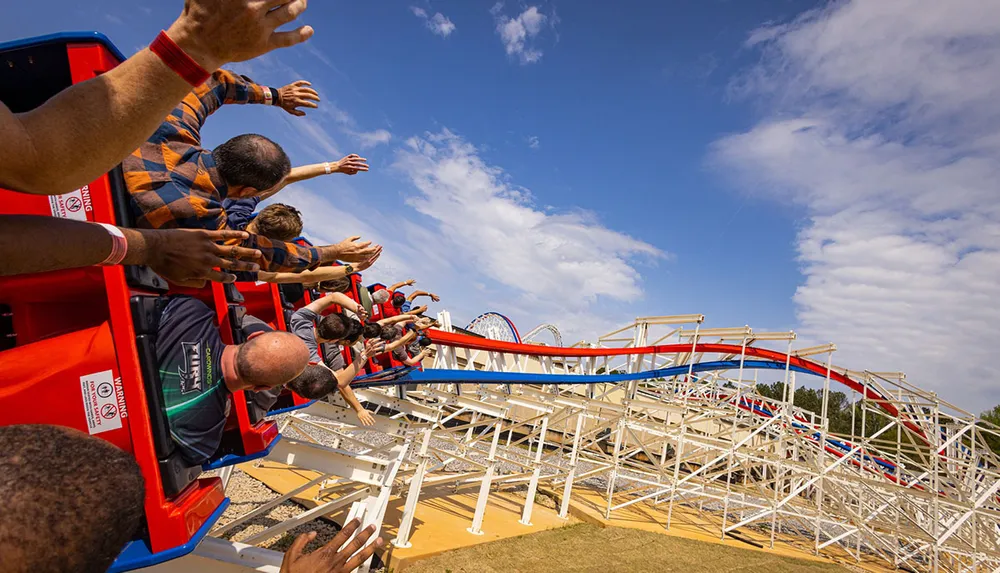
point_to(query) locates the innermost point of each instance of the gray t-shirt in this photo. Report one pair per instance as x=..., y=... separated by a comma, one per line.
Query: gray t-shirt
x=301, y=325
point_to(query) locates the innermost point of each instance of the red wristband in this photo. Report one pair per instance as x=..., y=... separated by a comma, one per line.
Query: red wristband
x=178, y=60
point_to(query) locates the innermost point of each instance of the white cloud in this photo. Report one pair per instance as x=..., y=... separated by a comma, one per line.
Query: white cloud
x=373, y=138
x=883, y=126
x=519, y=34
x=438, y=23
x=551, y=266
x=533, y=142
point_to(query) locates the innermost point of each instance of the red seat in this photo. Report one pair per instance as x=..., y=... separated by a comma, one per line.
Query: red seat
x=80, y=344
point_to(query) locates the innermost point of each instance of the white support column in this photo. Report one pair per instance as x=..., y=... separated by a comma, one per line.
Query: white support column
x=484, y=489
x=413, y=495
x=568, y=487
x=375, y=505
x=529, y=500
x=614, y=468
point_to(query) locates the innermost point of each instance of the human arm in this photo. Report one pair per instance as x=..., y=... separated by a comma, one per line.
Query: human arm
x=416, y=311
x=282, y=257
x=321, y=304
x=404, y=318
x=364, y=416
x=319, y=274
x=409, y=282
x=111, y=115
x=331, y=558
x=34, y=244
x=348, y=165
x=418, y=359
x=418, y=293
x=401, y=341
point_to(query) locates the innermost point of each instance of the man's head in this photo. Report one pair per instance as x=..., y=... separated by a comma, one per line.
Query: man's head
x=278, y=222
x=380, y=296
x=70, y=501
x=424, y=342
x=390, y=333
x=267, y=360
x=315, y=382
x=335, y=285
x=251, y=164
x=398, y=299
x=372, y=330
x=333, y=327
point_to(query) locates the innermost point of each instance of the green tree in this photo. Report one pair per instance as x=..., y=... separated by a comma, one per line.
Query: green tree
x=992, y=416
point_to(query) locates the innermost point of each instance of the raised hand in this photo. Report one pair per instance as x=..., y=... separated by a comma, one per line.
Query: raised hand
x=332, y=557
x=215, y=32
x=188, y=257
x=351, y=251
x=298, y=94
x=434, y=297
x=349, y=165
x=366, y=264
x=373, y=347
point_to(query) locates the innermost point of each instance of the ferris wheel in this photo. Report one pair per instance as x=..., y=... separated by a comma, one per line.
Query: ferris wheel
x=495, y=326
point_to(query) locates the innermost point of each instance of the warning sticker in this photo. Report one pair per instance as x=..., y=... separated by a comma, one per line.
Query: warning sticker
x=72, y=205
x=100, y=402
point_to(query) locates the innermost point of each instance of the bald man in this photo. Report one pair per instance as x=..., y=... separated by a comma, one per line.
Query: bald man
x=198, y=372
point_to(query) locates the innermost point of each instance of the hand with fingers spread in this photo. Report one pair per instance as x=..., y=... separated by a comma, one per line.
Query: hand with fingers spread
x=351, y=251
x=349, y=165
x=298, y=94
x=366, y=264
x=366, y=418
x=215, y=32
x=188, y=257
x=373, y=347
x=332, y=557
x=434, y=297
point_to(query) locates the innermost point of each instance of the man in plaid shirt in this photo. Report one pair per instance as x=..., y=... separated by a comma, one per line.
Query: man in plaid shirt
x=176, y=183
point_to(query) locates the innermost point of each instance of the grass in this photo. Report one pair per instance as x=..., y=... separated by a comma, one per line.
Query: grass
x=583, y=548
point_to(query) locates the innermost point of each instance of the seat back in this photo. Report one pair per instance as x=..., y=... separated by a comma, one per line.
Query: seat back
x=79, y=345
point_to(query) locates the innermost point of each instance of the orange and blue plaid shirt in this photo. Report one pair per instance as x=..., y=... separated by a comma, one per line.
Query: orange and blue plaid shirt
x=174, y=182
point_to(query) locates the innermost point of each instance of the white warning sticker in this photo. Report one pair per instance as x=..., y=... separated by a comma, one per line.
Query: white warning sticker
x=72, y=205
x=100, y=402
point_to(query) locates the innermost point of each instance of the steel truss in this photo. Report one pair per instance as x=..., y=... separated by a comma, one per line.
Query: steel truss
x=919, y=491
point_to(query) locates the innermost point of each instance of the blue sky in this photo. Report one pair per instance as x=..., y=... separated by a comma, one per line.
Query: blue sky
x=787, y=165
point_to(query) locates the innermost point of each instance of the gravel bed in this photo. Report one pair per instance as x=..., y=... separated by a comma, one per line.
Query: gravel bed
x=246, y=494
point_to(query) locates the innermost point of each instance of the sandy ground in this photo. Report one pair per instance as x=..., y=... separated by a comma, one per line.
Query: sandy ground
x=584, y=548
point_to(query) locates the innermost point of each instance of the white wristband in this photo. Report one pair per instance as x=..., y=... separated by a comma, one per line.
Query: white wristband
x=326, y=166
x=119, y=245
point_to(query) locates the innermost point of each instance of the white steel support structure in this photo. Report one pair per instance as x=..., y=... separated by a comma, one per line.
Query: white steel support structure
x=670, y=415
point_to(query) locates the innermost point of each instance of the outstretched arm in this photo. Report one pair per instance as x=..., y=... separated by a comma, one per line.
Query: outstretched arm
x=349, y=165
x=416, y=311
x=321, y=304
x=409, y=282
x=401, y=341
x=319, y=274
x=282, y=257
x=404, y=318
x=419, y=293
x=418, y=359
x=34, y=244
x=112, y=114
